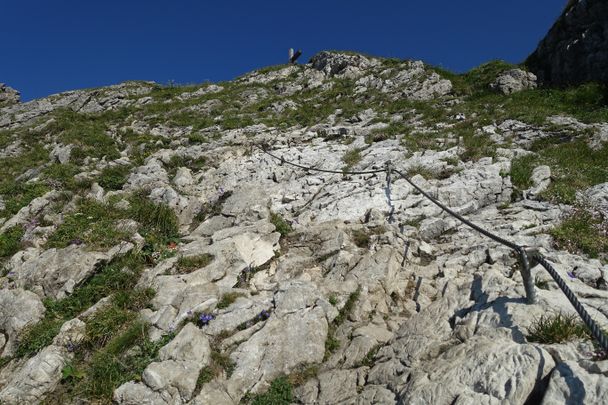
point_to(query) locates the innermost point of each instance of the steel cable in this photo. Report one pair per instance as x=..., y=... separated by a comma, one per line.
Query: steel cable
x=521, y=251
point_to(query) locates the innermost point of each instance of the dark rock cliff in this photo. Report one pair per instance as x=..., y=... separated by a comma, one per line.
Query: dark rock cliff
x=576, y=48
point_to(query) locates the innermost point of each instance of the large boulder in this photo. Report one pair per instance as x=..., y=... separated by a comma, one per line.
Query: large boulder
x=574, y=50
x=514, y=80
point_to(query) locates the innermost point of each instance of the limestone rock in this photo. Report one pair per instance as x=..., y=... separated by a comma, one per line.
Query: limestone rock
x=514, y=80
x=570, y=383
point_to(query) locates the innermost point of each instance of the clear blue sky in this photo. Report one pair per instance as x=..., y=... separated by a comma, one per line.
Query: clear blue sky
x=49, y=46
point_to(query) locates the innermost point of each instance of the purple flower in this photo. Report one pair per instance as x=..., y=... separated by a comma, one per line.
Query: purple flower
x=204, y=319
x=264, y=315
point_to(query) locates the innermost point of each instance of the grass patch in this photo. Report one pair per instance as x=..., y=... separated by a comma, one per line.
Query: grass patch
x=279, y=393
x=280, y=224
x=58, y=176
x=221, y=362
x=93, y=223
x=114, y=177
x=521, y=171
x=158, y=220
x=191, y=263
x=557, y=328
x=123, y=359
x=118, y=277
x=10, y=241
x=178, y=161
x=583, y=231
x=88, y=132
x=17, y=195
x=574, y=166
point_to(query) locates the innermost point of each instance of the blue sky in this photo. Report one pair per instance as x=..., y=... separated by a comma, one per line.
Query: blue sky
x=49, y=46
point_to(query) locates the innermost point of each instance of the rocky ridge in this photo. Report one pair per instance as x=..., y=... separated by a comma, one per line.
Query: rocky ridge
x=162, y=257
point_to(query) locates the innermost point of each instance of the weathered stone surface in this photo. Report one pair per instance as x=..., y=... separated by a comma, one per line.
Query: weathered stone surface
x=374, y=296
x=56, y=272
x=541, y=179
x=514, y=80
x=574, y=50
x=570, y=383
x=41, y=374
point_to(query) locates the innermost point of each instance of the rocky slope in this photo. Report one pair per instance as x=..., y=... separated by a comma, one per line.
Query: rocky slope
x=574, y=50
x=153, y=253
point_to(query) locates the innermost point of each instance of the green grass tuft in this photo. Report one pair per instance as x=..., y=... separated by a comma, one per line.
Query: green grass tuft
x=279, y=393
x=558, y=328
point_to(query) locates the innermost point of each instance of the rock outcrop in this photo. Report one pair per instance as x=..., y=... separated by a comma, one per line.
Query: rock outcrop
x=8, y=95
x=152, y=251
x=574, y=50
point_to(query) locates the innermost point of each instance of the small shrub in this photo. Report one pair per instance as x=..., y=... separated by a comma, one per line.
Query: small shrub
x=540, y=283
x=114, y=177
x=280, y=224
x=212, y=209
x=558, y=328
x=206, y=375
x=191, y=263
x=368, y=360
